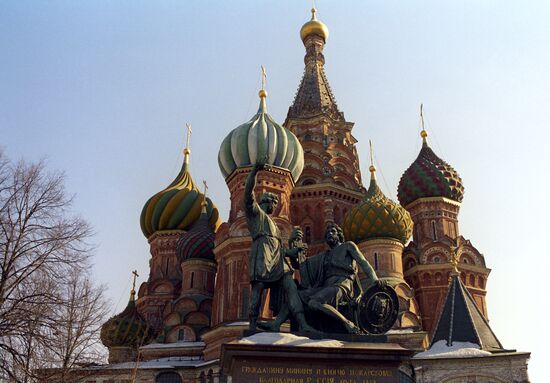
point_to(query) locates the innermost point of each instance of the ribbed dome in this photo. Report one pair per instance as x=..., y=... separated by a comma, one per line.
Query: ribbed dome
x=429, y=176
x=127, y=329
x=177, y=207
x=377, y=217
x=198, y=242
x=259, y=138
x=314, y=27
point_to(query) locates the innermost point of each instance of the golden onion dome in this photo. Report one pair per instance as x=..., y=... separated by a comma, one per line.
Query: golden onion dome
x=314, y=27
x=178, y=206
x=377, y=216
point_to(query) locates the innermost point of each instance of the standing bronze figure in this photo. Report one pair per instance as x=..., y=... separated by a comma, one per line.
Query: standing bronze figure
x=268, y=265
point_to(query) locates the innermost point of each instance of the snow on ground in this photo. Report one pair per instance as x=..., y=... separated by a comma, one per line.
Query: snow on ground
x=401, y=331
x=174, y=345
x=286, y=339
x=236, y=324
x=456, y=350
x=172, y=362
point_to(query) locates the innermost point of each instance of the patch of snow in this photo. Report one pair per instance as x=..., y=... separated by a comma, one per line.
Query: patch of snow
x=401, y=331
x=457, y=350
x=237, y=324
x=277, y=338
x=174, y=345
x=171, y=362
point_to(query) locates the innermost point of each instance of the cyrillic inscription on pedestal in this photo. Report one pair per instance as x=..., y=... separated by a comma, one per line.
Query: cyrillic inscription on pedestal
x=314, y=372
x=349, y=363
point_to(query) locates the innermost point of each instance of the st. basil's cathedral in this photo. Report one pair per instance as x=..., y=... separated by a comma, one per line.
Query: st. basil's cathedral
x=197, y=293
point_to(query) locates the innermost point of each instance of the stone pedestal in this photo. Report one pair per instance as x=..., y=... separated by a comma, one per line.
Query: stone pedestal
x=349, y=363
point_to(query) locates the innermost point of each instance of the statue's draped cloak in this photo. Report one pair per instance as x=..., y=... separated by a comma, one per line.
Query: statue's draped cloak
x=266, y=255
x=333, y=272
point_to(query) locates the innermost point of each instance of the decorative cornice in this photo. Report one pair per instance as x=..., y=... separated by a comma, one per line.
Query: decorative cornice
x=432, y=199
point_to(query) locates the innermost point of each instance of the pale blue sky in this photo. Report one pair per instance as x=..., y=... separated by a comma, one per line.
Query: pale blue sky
x=103, y=89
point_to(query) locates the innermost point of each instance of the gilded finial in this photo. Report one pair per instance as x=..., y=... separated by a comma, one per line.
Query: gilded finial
x=133, y=291
x=187, y=151
x=262, y=93
x=313, y=12
x=423, y=133
x=454, y=261
x=372, y=169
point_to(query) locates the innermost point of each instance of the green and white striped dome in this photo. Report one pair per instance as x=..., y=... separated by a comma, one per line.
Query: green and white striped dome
x=260, y=138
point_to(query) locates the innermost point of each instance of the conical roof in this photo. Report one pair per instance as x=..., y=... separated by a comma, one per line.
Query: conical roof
x=314, y=96
x=462, y=321
x=429, y=176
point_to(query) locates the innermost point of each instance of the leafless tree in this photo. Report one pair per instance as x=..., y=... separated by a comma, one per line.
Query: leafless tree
x=49, y=310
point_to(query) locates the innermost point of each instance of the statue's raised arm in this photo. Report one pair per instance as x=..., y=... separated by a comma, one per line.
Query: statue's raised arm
x=249, y=198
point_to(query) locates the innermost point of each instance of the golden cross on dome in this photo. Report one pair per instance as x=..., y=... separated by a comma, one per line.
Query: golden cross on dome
x=423, y=133
x=189, y=131
x=372, y=169
x=133, y=291
x=264, y=75
x=454, y=258
x=135, y=273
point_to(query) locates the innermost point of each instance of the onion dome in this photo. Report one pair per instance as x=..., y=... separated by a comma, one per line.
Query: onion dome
x=377, y=217
x=314, y=27
x=260, y=138
x=198, y=242
x=127, y=329
x=429, y=176
x=178, y=206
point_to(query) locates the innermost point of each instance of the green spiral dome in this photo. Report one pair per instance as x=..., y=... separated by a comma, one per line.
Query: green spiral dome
x=177, y=207
x=377, y=217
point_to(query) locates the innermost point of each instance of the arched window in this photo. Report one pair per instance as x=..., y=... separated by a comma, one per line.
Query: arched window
x=375, y=261
x=434, y=232
x=192, y=278
x=168, y=377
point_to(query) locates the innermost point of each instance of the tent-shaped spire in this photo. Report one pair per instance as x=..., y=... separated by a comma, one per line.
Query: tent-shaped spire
x=314, y=96
x=462, y=321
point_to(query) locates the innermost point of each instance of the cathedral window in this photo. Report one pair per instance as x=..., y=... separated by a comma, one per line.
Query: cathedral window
x=434, y=231
x=375, y=261
x=308, y=234
x=192, y=279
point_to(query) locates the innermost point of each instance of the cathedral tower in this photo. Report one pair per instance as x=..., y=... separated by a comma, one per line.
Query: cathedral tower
x=261, y=138
x=164, y=218
x=432, y=191
x=331, y=181
x=381, y=227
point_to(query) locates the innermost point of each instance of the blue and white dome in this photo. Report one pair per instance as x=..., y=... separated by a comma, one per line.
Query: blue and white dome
x=259, y=138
